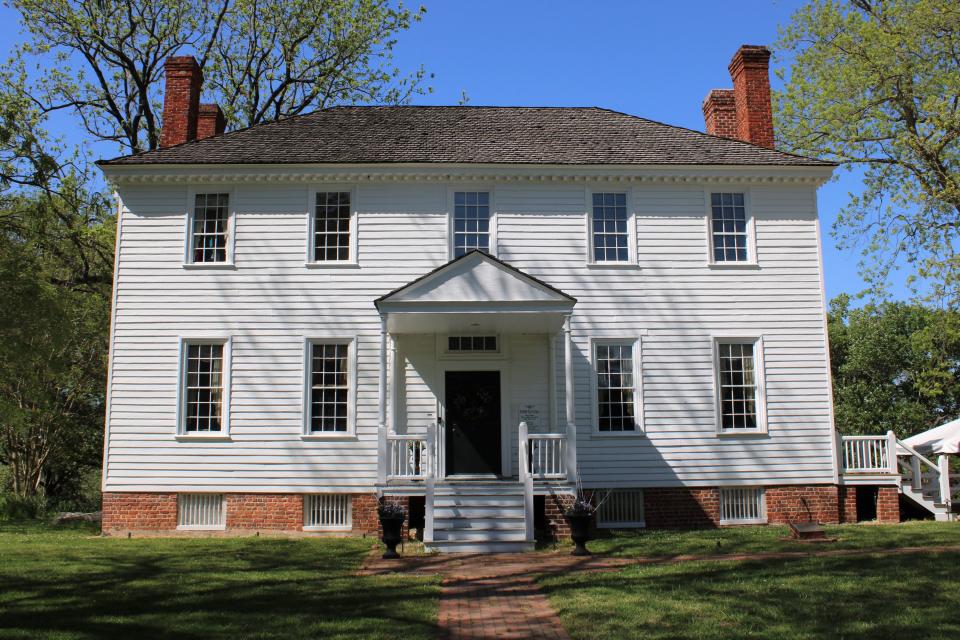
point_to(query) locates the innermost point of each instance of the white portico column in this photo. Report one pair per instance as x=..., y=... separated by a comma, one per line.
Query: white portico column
x=568, y=396
x=382, y=416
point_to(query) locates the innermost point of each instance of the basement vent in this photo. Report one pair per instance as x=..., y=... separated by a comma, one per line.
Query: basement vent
x=200, y=511
x=743, y=505
x=620, y=508
x=472, y=344
x=327, y=512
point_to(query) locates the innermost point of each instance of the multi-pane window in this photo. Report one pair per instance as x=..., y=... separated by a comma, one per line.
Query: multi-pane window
x=208, y=235
x=738, y=386
x=471, y=222
x=331, y=226
x=616, y=405
x=472, y=343
x=728, y=219
x=610, y=237
x=203, y=411
x=329, y=387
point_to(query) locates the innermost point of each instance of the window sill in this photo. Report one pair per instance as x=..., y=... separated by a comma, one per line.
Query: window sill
x=344, y=436
x=207, y=266
x=751, y=433
x=613, y=265
x=748, y=266
x=190, y=437
x=201, y=527
x=328, y=529
x=601, y=435
x=333, y=264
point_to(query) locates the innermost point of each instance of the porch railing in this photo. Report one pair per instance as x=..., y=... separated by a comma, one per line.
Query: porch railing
x=407, y=456
x=869, y=454
x=547, y=455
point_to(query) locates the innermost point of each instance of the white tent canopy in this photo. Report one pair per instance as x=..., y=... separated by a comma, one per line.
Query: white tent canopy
x=944, y=439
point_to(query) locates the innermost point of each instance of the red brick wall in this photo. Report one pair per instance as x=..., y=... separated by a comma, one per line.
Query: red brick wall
x=848, y=504
x=139, y=512
x=270, y=511
x=751, y=90
x=888, y=505
x=554, y=506
x=720, y=113
x=680, y=508
x=803, y=504
x=366, y=522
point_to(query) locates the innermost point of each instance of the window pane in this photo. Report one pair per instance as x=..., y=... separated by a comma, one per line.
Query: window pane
x=729, y=227
x=609, y=224
x=208, y=238
x=204, y=387
x=738, y=389
x=329, y=386
x=331, y=226
x=471, y=222
x=615, y=402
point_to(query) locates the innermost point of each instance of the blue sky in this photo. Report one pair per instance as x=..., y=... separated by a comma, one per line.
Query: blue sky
x=651, y=59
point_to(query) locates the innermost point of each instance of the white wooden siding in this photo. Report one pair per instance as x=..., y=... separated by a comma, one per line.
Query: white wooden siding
x=270, y=302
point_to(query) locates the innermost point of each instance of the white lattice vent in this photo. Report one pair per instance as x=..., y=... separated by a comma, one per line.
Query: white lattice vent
x=620, y=508
x=742, y=505
x=200, y=511
x=327, y=511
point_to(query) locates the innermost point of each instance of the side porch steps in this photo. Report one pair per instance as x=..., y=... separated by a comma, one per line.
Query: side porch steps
x=479, y=517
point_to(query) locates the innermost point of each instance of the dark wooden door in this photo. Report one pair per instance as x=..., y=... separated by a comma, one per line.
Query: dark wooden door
x=473, y=422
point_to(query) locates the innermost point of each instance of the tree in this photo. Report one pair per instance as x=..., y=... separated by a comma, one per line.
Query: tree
x=875, y=84
x=895, y=366
x=262, y=59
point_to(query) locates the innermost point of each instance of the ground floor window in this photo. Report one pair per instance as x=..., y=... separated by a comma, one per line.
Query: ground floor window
x=327, y=512
x=619, y=508
x=200, y=511
x=742, y=505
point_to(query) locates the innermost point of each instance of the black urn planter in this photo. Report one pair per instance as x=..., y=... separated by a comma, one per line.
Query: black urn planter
x=392, y=528
x=580, y=532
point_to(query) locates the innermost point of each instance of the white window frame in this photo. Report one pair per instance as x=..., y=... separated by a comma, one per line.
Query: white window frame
x=350, y=433
x=751, y=261
x=762, y=519
x=348, y=526
x=311, y=261
x=451, y=211
x=761, y=385
x=637, y=344
x=224, y=433
x=203, y=527
x=444, y=353
x=632, y=259
x=192, y=194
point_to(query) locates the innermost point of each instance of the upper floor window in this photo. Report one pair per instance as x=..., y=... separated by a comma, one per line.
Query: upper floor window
x=471, y=222
x=739, y=385
x=331, y=227
x=609, y=228
x=209, y=228
x=728, y=227
x=329, y=385
x=203, y=387
x=616, y=387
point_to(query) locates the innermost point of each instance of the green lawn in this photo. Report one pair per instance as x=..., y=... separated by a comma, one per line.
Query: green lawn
x=912, y=596
x=633, y=544
x=68, y=583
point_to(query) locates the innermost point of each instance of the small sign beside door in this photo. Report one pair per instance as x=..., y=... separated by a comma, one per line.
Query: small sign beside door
x=530, y=413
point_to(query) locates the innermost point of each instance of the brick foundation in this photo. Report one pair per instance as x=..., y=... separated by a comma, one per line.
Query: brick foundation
x=848, y=504
x=554, y=506
x=888, y=505
x=366, y=522
x=803, y=504
x=139, y=512
x=264, y=511
x=679, y=508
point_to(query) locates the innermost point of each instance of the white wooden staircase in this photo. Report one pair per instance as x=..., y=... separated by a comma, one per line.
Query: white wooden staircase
x=479, y=517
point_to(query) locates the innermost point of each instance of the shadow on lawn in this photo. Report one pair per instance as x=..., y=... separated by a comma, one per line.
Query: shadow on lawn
x=909, y=596
x=198, y=589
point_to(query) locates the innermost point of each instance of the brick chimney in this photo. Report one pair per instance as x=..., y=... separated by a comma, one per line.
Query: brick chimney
x=181, y=100
x=210, y=121
x=720, y=113
x=751, y=110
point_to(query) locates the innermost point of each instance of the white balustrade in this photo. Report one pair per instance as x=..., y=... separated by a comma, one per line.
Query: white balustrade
x=866, y=454
x=407, y=456
x=547, y=458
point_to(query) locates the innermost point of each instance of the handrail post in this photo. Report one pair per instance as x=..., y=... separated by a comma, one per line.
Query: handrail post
x=429, y=483
x=382, y=414
x=522, y=470
x=917, y=482
x=527, y=480
x=943, y=462
x=892, y=452
x=570, y=409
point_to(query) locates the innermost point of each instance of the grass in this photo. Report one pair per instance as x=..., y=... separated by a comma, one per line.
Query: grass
x=639, y=543
x=872, y=596
x=69, y=583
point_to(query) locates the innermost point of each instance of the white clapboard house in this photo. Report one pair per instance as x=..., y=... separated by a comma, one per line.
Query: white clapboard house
x=470, y=310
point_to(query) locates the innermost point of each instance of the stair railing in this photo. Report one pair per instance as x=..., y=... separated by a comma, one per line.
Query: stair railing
x=926, y=477
x=526, y=479
x=428, y=490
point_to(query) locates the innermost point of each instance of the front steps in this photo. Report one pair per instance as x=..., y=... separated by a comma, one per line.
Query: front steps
x=479, y=517
x=927, y=499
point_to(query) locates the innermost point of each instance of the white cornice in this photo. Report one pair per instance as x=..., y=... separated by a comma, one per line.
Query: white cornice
x=120, y=176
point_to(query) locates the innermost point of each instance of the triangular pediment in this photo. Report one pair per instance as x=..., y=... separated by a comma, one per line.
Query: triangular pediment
x=477, y=278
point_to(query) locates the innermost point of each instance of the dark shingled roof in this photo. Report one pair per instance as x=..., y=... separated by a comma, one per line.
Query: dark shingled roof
x=494, y=135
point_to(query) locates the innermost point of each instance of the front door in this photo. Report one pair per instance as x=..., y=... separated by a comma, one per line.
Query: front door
x=473, y=422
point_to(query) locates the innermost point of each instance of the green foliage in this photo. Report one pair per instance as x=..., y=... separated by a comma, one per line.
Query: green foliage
x=896, y=367
x=262, y=59
x=875, y=84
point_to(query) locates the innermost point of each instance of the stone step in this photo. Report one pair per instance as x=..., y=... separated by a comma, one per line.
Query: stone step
x=464, y=511
x=472, y=546
x=461, y=524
